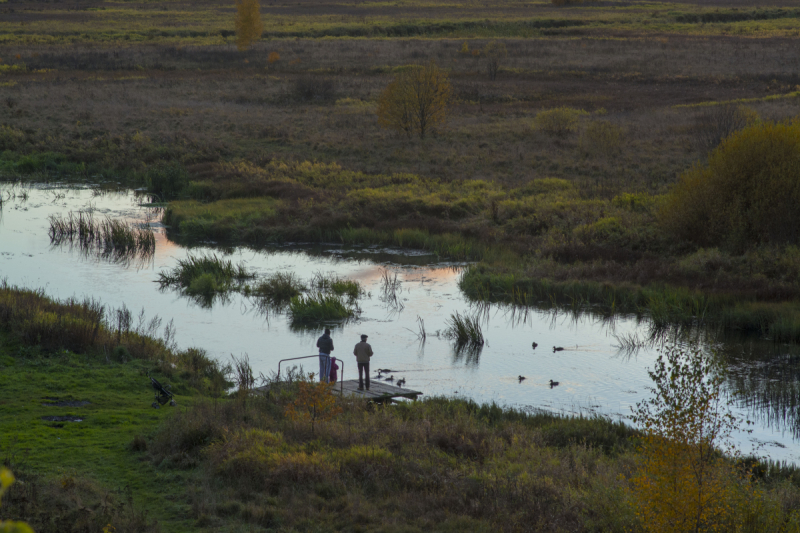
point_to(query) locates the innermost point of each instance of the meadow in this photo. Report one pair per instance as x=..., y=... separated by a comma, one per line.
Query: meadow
x=254, y=150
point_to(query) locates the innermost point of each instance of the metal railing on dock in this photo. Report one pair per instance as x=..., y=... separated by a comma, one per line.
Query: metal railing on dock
x=341, y=374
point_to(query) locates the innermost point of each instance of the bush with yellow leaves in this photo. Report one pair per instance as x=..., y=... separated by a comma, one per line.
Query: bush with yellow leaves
x=745, y=195
x=416, y=101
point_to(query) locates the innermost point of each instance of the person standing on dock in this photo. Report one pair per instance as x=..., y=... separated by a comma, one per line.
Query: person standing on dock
x=325, y=345
x=363, y=352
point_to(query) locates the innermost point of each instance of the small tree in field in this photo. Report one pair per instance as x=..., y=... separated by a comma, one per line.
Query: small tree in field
x=248, y=23
x=495, y=52
x=416, y=100
x=686, y=484
x=314, y=401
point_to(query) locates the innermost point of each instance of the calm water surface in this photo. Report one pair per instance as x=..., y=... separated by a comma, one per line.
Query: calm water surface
x=594, y=376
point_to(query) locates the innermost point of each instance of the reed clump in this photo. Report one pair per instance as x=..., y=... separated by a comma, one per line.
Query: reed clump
x=204, y=275
x=106, y=236
x=464, y=330
x=334, y=284
x=319, y=307
x=278, y=289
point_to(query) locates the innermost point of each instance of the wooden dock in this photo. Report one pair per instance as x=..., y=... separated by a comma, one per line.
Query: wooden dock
x=379, y=391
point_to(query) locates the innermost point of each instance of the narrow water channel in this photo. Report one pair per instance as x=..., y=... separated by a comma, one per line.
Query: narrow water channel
x=594, y=375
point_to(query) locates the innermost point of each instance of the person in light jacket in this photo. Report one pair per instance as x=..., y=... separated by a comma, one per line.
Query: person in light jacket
x=363, y=352
x=325, y=345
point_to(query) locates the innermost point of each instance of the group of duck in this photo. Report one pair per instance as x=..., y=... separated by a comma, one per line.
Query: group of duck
x=401, y=382
x=381, y=371
x=555, y=349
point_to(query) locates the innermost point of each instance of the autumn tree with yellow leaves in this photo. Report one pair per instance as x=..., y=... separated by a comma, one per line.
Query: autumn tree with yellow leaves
x=248, y=23
x=416, y=101
x=688, y=481
x=314, y=402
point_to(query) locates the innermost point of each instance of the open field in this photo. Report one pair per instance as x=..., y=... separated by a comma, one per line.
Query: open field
x=115, y=89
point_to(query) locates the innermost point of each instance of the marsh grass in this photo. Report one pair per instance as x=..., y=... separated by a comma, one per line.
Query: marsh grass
x=464, y=330
x=278, y=289
x=204, y=275
x=332, y=283
x=108, y=237
x=320, y=307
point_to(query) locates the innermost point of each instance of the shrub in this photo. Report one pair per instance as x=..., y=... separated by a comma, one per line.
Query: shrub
x=416, y=101
x=248, y=23
x=718, y=122
x=273, y=57
x=601, y=137
x=559, y=122
x=309, y=89
x=746, y=194
x=685, y=483
x=495, y=52
x=167, y=180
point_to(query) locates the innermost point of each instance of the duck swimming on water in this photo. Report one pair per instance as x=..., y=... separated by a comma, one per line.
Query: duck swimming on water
x=535, y=344
x=557, y=348
x=553, y=383
x=521, y=378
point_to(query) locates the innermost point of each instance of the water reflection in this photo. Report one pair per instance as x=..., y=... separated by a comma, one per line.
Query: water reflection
x=603, y=368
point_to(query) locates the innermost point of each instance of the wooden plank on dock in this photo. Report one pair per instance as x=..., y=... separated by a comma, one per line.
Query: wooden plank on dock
x=378, y=390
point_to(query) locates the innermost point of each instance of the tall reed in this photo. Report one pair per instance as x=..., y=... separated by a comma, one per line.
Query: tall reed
x=464, y=330
x=107, y=236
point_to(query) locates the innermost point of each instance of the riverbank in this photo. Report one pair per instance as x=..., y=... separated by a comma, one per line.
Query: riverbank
x=442, y=463
x=540, y=244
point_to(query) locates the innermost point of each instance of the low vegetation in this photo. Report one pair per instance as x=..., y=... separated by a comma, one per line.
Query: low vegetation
x=107, y=237
x=205, y=276
x=279, y=288
x=301, y=457
x=75, y=403
x=464, y=330
x=318, y=306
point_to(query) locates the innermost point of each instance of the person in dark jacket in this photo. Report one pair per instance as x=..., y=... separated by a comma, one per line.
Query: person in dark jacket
x=334, y=370
x=325, y=345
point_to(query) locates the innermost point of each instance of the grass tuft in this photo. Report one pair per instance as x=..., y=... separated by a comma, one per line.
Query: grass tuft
x=464, y=330
x=278, y=289
x=108, y=237
x=216, y=273
x=318, y=307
